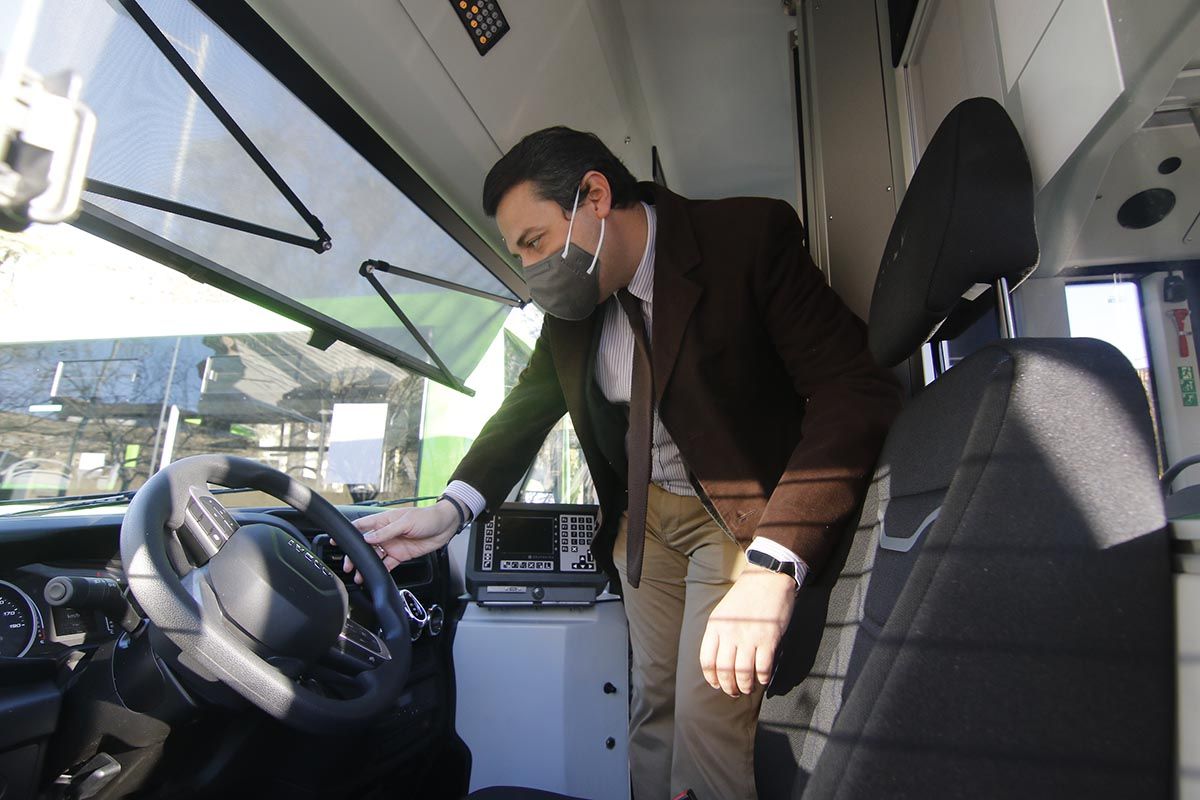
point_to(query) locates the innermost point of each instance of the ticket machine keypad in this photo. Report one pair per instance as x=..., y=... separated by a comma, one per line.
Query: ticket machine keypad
x=575, y=533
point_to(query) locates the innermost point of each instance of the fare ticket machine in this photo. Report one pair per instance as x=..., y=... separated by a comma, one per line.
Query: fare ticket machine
x=535, y=554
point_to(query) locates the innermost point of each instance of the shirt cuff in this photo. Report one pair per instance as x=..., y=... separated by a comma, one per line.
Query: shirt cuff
x=780, y=553
x=468, y=495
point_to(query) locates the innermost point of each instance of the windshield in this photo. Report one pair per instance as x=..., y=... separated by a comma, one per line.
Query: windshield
x=156, y=138
x=112, y=366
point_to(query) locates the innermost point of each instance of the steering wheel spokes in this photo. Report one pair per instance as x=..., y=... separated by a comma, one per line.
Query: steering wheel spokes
x=357, y=650
x=207, y=525
x=261, y=610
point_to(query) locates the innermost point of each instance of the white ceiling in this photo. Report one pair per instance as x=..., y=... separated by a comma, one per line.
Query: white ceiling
x=716, y=77
x=707, y=81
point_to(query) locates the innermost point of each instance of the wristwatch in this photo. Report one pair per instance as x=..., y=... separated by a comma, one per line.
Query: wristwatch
x=761, y=559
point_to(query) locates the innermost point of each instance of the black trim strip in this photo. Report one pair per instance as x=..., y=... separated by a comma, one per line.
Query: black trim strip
x=171, y=207
x=242, y=24
x=123, y=233
x=801, y=138
x=367, y=270
x=391, y=269
x=193, y=80
x=656, y=168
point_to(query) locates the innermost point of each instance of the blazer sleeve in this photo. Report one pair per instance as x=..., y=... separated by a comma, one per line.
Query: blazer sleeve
x=849, y=400
x=510, y=440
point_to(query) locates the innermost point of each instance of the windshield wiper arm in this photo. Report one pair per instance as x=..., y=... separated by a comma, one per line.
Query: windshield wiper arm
x=400, y=501
x=102, y=500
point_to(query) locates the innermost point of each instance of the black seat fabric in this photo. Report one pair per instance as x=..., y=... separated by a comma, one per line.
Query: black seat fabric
x=966, y=221
x=1000, y=623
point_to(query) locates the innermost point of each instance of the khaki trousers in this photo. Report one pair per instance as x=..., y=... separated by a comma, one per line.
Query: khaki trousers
x=683, y=734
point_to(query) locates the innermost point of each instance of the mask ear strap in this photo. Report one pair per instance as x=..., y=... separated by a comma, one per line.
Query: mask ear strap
x=599, y=244
x=574, y=208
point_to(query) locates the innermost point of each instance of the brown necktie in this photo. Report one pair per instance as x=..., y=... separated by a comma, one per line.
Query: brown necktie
x=641, y=420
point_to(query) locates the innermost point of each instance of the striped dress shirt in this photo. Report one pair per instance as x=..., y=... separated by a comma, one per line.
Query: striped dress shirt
x=614, y=367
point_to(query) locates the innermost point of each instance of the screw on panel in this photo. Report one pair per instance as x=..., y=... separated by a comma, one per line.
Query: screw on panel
x=610, y=743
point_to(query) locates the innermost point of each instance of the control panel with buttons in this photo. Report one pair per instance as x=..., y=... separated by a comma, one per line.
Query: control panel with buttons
x=535, y=553
x=483, y=20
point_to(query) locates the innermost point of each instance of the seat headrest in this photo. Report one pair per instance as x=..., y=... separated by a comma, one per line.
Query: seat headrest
x=966, y=219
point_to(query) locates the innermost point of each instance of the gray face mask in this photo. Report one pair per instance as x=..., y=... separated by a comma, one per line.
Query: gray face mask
x=567, y=284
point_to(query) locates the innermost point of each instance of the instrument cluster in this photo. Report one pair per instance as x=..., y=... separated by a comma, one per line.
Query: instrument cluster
x=31, y=626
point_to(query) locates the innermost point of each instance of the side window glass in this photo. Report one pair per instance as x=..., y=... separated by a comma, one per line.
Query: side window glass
x=1111, y=310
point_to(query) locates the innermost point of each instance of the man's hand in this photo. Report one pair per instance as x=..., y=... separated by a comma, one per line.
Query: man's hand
x=406, y=533
x=744, y=631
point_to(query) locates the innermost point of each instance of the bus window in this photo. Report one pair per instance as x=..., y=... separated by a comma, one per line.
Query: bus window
x=1111, y=311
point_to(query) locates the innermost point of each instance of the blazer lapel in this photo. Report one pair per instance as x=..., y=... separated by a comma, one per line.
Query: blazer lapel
x=675, y=294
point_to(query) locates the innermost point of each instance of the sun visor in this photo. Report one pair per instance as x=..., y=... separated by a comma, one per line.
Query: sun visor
x=204, y=161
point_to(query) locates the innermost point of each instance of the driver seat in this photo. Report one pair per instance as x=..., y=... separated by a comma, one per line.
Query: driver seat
x=1000, y=623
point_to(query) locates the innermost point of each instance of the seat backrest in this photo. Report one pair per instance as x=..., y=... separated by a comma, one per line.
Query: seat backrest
x=1000, y=622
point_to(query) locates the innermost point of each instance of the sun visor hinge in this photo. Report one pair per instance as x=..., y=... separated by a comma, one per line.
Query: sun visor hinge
x=368, y=269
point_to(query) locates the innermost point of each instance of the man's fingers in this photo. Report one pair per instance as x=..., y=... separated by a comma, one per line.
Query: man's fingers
x=384, y=533
x=365, y=524
x=726, y=656
x=708, y=657
x=764, y=663
x=743, y=668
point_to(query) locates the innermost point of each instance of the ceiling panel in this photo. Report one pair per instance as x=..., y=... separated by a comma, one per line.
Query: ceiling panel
x=717, y=81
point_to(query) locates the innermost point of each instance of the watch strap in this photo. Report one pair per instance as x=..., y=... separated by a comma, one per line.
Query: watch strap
x=761, y=559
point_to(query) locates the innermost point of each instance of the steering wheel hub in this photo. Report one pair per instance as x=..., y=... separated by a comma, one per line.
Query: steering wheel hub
x=277, y=592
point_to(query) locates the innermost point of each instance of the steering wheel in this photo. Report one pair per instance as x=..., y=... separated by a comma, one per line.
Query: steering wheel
x=260, y=608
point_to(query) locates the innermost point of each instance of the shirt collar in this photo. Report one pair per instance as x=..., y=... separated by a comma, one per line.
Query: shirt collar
x=642, y=285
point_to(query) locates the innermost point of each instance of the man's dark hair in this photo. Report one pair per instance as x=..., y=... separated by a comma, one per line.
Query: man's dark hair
x=555, y=161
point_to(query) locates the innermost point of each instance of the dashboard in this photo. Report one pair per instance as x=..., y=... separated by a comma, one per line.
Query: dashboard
x=32, y=627
x=51, y=654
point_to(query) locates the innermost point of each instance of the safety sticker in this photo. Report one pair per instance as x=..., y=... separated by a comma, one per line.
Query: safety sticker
x=1187, y=386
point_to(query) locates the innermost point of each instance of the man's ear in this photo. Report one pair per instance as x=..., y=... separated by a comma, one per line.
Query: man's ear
x=599, y=193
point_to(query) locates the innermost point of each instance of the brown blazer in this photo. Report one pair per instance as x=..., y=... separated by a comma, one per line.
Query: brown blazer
x=761, y=373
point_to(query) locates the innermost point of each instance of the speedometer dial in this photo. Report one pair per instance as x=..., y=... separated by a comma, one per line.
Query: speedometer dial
x=19, y=621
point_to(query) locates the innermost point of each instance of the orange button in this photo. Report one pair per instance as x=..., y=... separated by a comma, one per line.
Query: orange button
x=462, y=4
x=474, y=9
x=474, y=24
x=483, y=40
